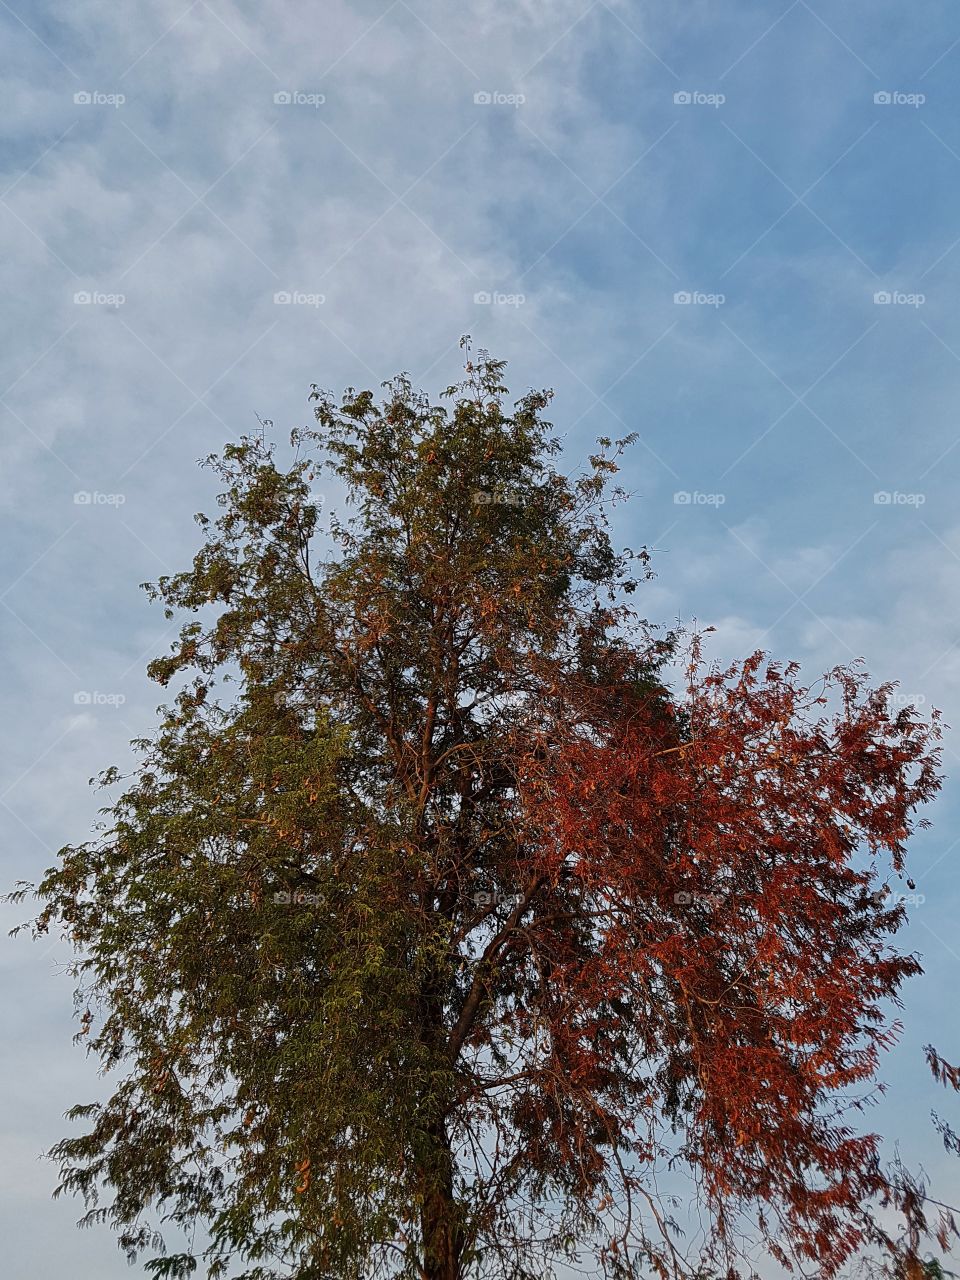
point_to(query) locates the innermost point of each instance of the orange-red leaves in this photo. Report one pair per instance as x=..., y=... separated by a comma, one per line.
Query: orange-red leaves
x=714, y=885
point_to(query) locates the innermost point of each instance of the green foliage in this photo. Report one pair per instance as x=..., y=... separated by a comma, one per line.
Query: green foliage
x=273, y=925
x=429, y=916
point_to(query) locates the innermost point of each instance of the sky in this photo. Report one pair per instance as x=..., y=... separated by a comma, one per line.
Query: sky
x=731, y=229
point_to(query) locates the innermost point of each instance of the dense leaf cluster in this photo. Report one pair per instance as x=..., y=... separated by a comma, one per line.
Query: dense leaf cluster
x=432, y=922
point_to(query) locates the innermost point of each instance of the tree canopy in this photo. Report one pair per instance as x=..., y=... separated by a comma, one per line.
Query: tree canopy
x=438, y=918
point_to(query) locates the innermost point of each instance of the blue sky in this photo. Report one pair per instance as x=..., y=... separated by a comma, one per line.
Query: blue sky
x=627, y=154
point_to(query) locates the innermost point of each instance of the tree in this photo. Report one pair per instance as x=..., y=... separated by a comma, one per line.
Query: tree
x=908, y=1193
x=433, y=922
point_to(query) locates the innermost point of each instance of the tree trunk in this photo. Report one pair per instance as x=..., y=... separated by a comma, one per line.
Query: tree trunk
x=441, y=1228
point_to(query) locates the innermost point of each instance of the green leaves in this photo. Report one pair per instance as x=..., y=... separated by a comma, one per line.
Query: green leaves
x=174, y=1267
x=373, y=935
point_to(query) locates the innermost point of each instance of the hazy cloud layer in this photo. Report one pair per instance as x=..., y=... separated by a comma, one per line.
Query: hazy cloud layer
x=732, y=231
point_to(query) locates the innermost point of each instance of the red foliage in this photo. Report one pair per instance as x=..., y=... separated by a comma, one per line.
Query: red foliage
x=722, y=855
